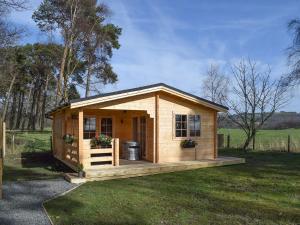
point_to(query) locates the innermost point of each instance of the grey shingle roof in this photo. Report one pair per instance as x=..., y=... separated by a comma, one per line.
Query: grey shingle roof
x=138, y=89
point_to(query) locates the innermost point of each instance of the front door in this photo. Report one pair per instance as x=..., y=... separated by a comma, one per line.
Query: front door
x=139, y=125
x=143, y=136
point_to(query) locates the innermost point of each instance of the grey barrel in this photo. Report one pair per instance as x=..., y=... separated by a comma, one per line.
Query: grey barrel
x=131, y=150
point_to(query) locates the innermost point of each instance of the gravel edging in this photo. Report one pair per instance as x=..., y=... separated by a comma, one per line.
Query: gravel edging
x=22, y=201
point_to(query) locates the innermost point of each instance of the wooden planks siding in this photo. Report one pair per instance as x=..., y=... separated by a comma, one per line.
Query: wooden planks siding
x=169, y=146
x=159, y=109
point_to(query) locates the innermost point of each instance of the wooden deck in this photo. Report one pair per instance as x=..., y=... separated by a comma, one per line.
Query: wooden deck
x=142, y=168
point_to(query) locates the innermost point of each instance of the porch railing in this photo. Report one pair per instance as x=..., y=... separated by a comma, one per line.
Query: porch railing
x=71, y=154
x=94, y=158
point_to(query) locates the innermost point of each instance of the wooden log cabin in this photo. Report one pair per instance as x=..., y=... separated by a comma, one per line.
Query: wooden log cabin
x=159, y=117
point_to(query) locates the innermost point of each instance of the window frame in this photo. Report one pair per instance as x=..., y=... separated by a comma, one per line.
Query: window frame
x=188, y=127
x=89, y=117
x=181, y=129
x=112, y=125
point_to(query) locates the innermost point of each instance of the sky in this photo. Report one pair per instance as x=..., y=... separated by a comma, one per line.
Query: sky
x=175, y=42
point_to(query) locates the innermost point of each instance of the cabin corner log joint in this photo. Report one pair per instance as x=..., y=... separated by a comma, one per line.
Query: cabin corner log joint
x=159, y=117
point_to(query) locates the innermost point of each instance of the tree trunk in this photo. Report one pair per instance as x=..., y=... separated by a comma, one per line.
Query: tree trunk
x=13, y=111
x=88, y=81
x=248, y=140
x=44, y=103
x=5, y=107
x=25, y=115
x=32, y=110
x=61, y=76
x=20, y=110
x=36, y=113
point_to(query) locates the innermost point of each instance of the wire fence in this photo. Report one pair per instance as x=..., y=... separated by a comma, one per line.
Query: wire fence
x=266, y=140
x=27, y=141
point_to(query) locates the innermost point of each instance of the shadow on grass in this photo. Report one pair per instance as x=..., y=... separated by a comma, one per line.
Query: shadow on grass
x=57, y=208
x=265, y=190
x=33, y=165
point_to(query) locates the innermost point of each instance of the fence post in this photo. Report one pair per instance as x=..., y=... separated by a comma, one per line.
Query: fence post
x=220, y=140
x=51, y=147
x=13, y=143
x=228, y=141
x=289, y=143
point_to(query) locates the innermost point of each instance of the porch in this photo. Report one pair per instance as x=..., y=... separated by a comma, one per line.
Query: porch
x=85, y=124
x=144, y=168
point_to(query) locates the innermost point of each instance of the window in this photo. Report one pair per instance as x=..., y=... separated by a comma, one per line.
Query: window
x=106, y=126
x=194, y=125
x=180, y=125
x=89, y=127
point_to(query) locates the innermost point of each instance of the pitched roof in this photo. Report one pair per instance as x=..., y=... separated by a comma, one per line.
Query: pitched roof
x=150, y=88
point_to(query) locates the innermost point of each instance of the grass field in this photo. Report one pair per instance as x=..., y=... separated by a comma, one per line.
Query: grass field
x=265, y=139
x=30, y=157
x=265, y=190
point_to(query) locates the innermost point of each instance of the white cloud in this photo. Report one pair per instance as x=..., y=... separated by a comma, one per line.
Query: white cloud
x=158, y=57
x=155, y=47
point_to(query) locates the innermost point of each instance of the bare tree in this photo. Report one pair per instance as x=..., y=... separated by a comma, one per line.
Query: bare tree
x=9, y=35
x=215, y=85
x=294, y=53
x=255, y=97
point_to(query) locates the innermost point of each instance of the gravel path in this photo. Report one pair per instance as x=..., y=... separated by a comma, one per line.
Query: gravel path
x=22, y=200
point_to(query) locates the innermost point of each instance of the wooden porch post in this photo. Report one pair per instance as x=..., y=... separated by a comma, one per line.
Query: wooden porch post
x=80, y=135
x=116, y=152
x=64, y=132
x=156, y=128
x=215, y=135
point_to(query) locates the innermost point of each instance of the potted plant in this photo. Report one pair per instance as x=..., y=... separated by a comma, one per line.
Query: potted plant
x=80, y=170
x=68, y=138
x=103, y=141
x=94, y=142
x=188, y=143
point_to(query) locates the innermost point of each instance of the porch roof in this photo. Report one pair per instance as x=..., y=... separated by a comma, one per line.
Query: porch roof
x=105, y=97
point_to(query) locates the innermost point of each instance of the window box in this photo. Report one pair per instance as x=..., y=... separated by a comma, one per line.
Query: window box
x=188, y=144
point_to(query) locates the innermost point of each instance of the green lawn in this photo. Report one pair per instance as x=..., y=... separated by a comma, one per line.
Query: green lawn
x=30, y=157
x=265, y=139
x=265, y=190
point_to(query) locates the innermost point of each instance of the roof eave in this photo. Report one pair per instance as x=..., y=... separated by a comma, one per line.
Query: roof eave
x=164, y=88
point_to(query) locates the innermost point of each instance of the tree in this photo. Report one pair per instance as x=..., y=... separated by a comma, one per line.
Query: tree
x=28, y=93
x=9, y=34
x=294, y=53
x=215, y=85
x=255, y=97
x=42, y=65
x=97, y=51
x=6, y=5
x=8, y=37
x=73, y=93
x=77, y=21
